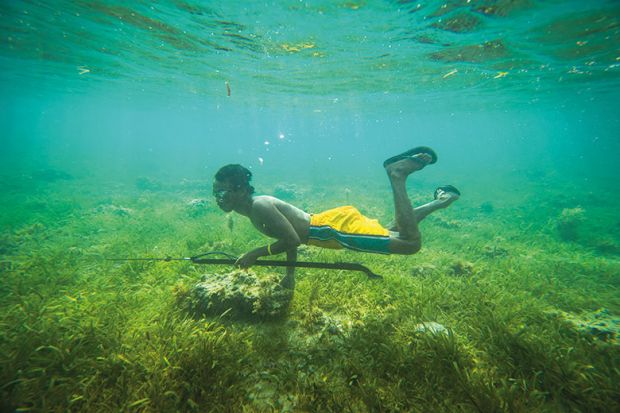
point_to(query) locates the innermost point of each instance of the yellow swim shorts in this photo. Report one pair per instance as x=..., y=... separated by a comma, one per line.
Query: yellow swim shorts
x=346, y=227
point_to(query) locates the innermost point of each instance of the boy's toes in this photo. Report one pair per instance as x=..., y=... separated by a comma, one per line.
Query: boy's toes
x=447, y=193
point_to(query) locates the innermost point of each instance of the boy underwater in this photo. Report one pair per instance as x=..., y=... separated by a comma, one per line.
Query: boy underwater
x=342, y=227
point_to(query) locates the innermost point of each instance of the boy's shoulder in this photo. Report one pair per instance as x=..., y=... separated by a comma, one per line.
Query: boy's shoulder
x=263, y=202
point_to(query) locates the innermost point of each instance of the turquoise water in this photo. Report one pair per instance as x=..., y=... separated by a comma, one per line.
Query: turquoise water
x=121, y=86
x=115, y=116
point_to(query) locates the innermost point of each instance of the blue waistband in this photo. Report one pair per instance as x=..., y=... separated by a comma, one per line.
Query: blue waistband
x=358, y=242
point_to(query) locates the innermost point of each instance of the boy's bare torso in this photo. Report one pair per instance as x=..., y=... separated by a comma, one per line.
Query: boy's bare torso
x=272, y=212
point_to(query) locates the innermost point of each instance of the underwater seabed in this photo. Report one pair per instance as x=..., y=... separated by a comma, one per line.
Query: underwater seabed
x=510, y=306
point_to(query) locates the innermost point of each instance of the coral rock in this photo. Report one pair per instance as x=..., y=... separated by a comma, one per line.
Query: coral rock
x=239, y=294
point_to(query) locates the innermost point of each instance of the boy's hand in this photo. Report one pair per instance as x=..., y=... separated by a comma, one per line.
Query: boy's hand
x=247, y=260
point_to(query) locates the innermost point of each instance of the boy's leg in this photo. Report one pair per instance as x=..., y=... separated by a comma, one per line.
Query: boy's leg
x=408, y=239
x=443, y=199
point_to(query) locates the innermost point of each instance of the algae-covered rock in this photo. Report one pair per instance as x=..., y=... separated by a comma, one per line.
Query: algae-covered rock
x=569, y=222
x=117, y=210
x=239, y=294
x=494, y=251
x=424, y=270
x=445, y=223
x=462, y=268
x=288, y=192
x=197, y=207
x=599, y=324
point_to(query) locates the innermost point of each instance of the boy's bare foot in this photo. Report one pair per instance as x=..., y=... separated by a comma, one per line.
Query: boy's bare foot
x=446, y=195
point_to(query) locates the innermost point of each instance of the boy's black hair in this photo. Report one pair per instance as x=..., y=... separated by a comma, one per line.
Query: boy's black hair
x=237, y=175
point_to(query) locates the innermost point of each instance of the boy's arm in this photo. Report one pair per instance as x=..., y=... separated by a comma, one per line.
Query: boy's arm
x=289, y=280
x=276, y=224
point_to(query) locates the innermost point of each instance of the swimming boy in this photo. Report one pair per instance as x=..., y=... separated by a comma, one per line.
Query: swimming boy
x=343, y=227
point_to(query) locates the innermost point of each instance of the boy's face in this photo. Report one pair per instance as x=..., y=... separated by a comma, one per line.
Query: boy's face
x=226, y=195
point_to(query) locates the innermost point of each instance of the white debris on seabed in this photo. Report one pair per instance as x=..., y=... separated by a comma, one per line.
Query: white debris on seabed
x=430, y=327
